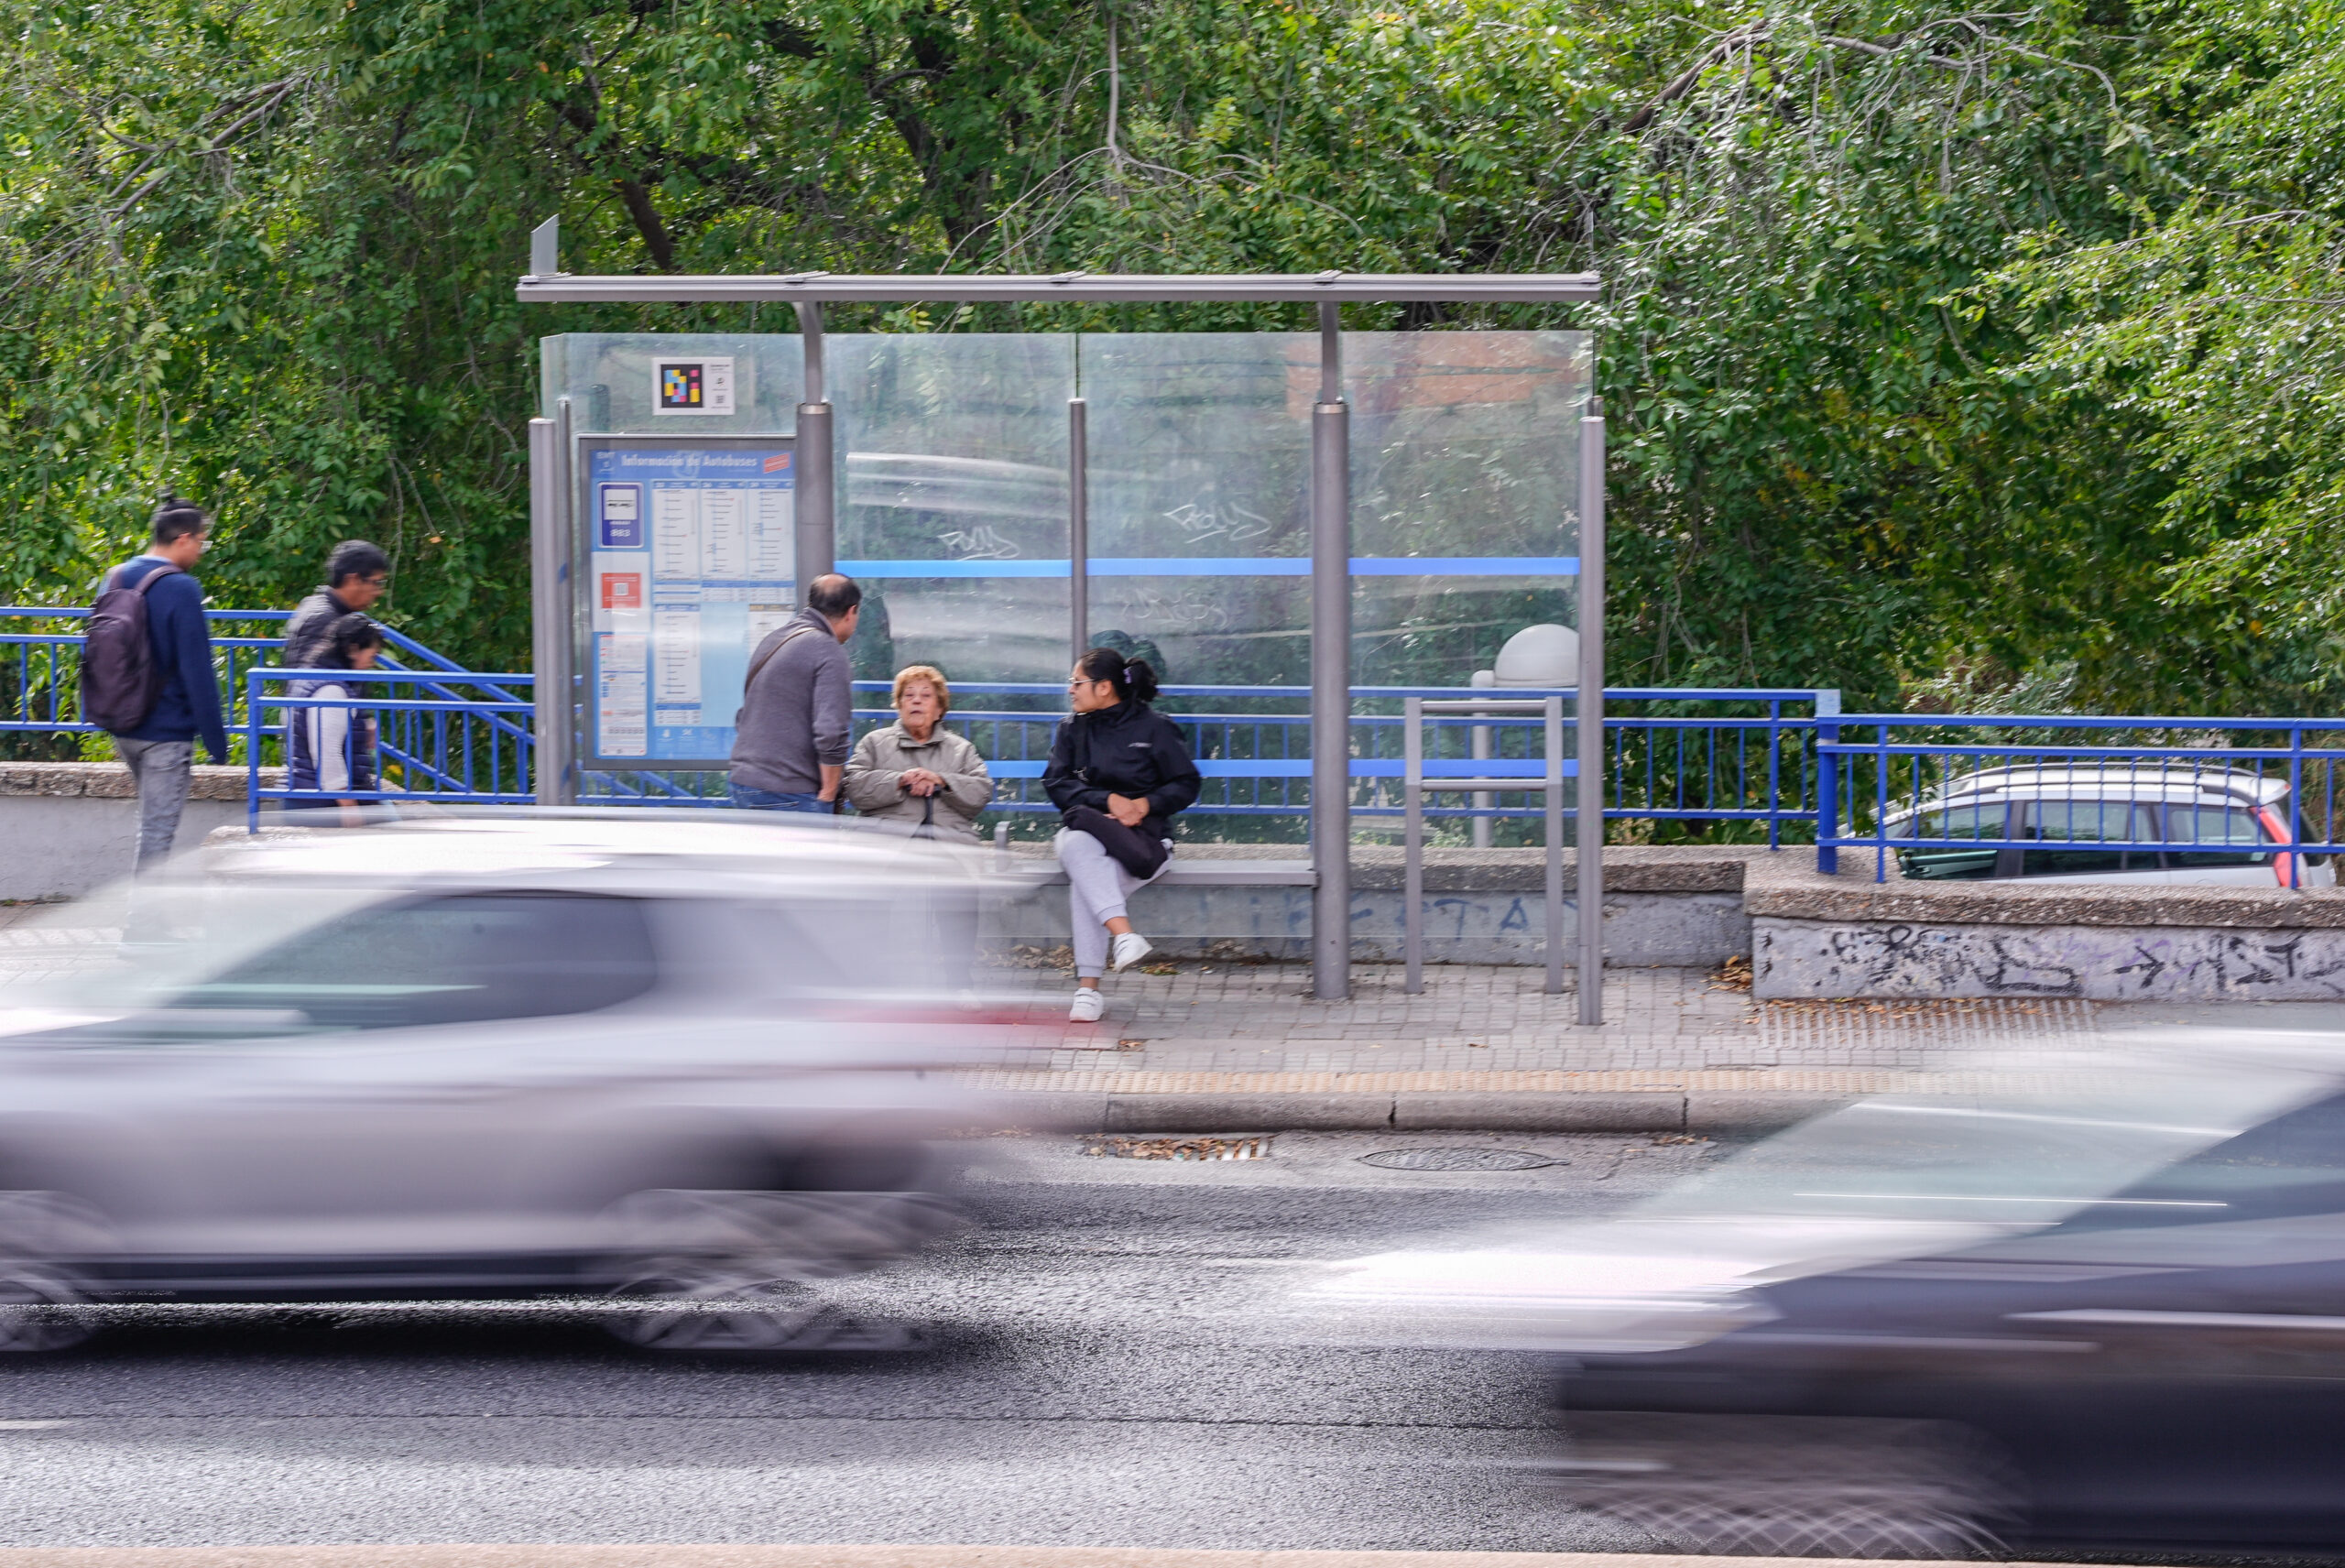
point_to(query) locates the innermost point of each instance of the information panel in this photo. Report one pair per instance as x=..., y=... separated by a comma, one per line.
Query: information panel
x=691, y=560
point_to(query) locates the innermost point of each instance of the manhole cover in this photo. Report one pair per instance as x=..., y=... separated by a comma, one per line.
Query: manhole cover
x=1179, y=1147
x=1458, y=1160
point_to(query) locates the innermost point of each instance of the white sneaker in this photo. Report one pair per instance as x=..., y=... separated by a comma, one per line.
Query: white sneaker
x=1131, y=948
x=1088, y=1006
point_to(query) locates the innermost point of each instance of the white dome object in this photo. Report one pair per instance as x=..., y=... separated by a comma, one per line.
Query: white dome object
x=1540, y=656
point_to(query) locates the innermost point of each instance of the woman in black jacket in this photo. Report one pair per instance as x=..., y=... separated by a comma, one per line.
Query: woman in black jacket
x=1119, y=770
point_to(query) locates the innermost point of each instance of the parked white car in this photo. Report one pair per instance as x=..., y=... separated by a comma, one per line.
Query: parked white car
x=682, y=1058
x=2220, y=825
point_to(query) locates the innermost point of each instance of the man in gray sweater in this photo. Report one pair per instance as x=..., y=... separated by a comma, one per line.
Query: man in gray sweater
x=790, y=742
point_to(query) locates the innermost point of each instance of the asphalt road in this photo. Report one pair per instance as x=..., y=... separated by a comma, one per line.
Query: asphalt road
x=1109, y=1363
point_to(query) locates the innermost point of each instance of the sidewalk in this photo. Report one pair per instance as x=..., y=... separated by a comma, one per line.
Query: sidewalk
x=1197, y=1015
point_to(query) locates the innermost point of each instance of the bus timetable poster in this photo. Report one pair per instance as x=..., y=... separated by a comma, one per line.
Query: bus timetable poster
x=692, y=562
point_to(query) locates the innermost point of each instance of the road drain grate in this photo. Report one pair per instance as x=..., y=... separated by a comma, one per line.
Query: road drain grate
x=1459, y=1160
x=1179, y=1147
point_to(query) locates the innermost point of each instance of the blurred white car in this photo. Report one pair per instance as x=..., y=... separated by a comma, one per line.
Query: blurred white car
x=683, y=1059
x=2220, y=825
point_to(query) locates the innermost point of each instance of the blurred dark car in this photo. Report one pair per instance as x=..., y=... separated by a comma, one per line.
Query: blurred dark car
x=686, y=1062
x=2110, y=1315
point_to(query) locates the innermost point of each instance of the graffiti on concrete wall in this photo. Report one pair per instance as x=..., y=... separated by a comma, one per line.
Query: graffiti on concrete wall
x=2108, y=964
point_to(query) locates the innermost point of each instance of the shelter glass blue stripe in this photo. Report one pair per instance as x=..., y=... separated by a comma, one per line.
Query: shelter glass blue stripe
x=1228, y=566
x=1300, y=768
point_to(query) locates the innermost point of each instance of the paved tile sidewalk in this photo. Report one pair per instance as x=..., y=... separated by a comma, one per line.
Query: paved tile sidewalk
x=1481, y=1018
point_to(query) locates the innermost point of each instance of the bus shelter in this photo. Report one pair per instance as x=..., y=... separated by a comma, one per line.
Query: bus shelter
x=1331, y=510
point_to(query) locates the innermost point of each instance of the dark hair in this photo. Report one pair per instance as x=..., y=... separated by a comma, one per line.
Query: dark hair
x=831, y=596
x=355, y=557
x=349, y=635
x=175, y=519
x=1133, y=678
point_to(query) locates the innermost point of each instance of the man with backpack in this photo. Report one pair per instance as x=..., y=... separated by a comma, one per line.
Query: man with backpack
x=147, y=676
x=790, y=745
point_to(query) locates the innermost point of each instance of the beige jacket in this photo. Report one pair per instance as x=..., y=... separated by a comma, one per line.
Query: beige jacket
x=882, y=757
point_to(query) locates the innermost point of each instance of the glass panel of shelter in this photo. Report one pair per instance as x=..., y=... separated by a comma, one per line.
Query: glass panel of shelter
x=955, y=451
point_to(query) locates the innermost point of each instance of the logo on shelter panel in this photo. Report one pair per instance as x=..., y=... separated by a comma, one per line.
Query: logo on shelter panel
x=697, y=385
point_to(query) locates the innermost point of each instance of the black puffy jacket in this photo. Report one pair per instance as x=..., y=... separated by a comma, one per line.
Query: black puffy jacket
x=1130, y=749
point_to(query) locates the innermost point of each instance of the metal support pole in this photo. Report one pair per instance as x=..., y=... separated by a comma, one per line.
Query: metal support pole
x=1331, y=673
x=1078, y=525
x=1482, y=736
x=816, y=534
x=1590, y=795
x=1413, y=843
x=551, y=608
x=1555, y=738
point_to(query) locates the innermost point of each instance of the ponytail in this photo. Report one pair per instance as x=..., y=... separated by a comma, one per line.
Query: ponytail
x=1133, y=678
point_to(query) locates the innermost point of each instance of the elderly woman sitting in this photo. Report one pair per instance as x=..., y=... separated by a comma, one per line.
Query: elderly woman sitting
x=915, y=771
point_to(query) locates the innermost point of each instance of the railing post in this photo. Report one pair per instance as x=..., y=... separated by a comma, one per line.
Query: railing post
x=1775, y=772
x=1413, y=843
x=1828, y=784
x=1881, y=803
x=2296, y=804
x=1331, y=671
x=251, y=753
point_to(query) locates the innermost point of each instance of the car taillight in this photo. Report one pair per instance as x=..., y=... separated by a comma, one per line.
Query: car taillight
x=2283, y=867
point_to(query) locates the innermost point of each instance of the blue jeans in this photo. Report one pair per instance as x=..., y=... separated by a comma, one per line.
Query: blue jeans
x=749, y=798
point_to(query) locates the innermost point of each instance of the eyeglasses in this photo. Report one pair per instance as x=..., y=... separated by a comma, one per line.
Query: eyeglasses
x=382, y=582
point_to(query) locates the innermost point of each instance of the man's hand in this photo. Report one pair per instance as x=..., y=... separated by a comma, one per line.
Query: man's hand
x=1126, y=809
x=919, y=781
x=834, y=777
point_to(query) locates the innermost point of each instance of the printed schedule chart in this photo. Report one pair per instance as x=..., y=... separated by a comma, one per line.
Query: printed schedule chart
x=692, y=562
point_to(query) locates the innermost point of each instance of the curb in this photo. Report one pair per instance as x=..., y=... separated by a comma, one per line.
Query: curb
x=1732, y=1114
x=1728, y=1102
x=603, y=1556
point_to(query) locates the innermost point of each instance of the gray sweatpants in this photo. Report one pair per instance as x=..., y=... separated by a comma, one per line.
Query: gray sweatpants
x=162, y=770
x=1097, y=887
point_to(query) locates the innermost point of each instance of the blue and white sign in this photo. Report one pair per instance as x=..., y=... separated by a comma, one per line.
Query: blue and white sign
x=692, y=563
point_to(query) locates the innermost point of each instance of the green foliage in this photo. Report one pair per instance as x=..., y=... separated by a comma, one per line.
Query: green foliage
x=1942, y=350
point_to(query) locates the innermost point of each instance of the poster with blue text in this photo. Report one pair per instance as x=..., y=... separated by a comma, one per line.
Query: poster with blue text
x=691, y=562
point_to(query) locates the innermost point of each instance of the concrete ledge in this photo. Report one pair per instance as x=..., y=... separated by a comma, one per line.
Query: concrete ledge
x=1789, y=888
x=737, y=1556
x=2101, y=962
x=110, y=780
x=68, y=827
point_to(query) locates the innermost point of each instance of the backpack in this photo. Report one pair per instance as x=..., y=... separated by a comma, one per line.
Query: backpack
x=120, y=684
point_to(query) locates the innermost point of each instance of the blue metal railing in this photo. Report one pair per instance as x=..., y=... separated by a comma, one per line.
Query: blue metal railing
x=1963, y=795
x=1691, y=755
x=40, y=671
x=448, y=750
x=1756, y=768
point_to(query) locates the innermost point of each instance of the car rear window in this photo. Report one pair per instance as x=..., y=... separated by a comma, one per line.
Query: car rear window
x=2234, y=826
